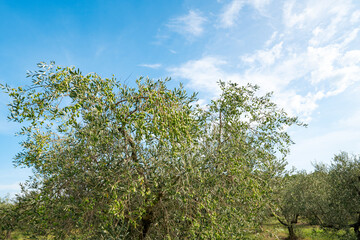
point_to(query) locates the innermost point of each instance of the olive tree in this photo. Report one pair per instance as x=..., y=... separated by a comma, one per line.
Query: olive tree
x=145, y=162
x=7, y=218
x=316, y=195
x=291, y=201
x=340, y=192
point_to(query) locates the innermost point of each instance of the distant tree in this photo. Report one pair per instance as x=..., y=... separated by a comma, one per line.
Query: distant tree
x=316, y=195
x=7, y=218
x=117, y=162
x=338, y=197
x=291, y=201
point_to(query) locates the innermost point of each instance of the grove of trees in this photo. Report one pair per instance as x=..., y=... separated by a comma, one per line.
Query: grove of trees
x=112, y=161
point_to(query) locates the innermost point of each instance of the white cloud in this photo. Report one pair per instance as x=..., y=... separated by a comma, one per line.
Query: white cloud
x=188, y=25
x=322, y=61
x=264, y=57
x=349, y=37
x=298, y=105
x=153, y=66
x=355, y=17
x=304, y=14
x=351, y=57
x=292, y=19
x=272, y=39
x=327, y=31
x=259, y=4
x=302, y=72
x=202, y=73
x=231, y=12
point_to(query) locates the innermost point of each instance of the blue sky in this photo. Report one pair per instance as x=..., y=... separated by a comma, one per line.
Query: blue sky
x=307, y=52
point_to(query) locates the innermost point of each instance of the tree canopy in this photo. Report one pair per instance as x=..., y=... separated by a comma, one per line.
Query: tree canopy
x=113, y=161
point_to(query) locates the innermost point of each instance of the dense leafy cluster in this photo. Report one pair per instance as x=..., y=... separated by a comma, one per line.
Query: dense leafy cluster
x=145, y=162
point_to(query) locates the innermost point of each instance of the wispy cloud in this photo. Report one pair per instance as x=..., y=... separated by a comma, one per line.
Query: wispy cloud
x=307, y=14
x=259, y=4
x=201, y=73
x=100, y=50
x=153, y=66
x=231, y=11
x=189, y=25
x=264, y=57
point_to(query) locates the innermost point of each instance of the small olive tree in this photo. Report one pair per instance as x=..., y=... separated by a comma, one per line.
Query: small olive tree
x=340, y=193
x=291, y=201
x=7, y=218
x=117, y=162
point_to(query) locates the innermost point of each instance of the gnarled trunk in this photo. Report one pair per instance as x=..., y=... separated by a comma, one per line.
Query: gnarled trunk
x=290, y=226
x=146, y=222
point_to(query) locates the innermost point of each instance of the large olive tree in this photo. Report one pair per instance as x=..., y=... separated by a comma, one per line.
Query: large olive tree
x=117, y=162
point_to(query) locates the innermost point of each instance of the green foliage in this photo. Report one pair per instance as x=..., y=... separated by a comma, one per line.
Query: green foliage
x=272, y=229
x=344, y=179
x=291, y=201
x=339, y=193
x=115, y=162
x=7, y=218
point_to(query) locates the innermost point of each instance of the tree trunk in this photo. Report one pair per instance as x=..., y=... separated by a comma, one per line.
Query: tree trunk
x=8, y=234
x=356, y=230
x=146, y=225
x=356, y=227
x=290, y=228
x=292, y=235
x=146, y=222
